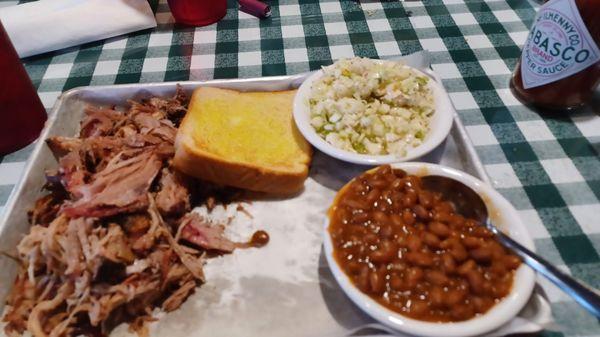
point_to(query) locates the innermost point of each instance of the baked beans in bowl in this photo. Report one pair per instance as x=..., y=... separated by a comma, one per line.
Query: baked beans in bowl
x=405, y=257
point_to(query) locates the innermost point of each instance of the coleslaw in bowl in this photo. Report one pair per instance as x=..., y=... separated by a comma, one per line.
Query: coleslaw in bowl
x=370, y=111
x=371, y=107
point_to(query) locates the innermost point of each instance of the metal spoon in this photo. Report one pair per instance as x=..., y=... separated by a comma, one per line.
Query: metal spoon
x=469, y=204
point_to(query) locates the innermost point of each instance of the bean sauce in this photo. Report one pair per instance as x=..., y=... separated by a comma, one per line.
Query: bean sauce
x=407, y=249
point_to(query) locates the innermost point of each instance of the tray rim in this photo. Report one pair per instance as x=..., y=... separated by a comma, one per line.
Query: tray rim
x=458, y=131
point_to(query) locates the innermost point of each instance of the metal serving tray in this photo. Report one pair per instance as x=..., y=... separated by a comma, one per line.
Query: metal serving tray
x=283, y=289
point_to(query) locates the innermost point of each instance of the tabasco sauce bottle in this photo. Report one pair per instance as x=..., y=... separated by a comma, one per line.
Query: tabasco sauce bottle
x=559, y=68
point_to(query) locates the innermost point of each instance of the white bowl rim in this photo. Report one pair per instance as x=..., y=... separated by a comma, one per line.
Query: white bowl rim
x=444, y=111
x=499, y=314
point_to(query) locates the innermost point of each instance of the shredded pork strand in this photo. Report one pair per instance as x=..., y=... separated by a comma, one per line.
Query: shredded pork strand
x=114, y=238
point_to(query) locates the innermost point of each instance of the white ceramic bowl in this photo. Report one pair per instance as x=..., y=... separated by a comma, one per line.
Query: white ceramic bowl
x=503, y=215
x=440, y=125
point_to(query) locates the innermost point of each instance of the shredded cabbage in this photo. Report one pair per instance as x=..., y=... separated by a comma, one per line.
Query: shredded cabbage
x=371, y=107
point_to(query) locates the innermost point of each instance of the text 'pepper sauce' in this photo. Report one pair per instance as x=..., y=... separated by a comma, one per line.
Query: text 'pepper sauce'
x=559, y=68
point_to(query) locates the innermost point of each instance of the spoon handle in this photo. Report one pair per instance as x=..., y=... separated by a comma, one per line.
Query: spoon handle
x=585, y=296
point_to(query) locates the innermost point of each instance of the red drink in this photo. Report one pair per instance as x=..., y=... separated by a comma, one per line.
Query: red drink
x=22, y=114
x=198, y=12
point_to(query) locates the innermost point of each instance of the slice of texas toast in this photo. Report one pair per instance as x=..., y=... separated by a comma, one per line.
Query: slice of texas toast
x=243, y=139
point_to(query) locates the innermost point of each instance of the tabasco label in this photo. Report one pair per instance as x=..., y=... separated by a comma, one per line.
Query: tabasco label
x=559, y=45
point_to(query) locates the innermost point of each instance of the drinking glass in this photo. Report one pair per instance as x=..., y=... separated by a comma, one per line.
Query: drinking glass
x=198, y=12
x=22, y=115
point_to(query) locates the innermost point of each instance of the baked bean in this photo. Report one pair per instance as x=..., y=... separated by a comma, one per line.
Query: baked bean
x=377, y=281
x=402, y=241
x=354, y=204
x=386, y=231
x=344, y=213
x=481, y=304
x=397, y=183
x=426, y=199
x=396, y=206
x=399, y=173
x=431, y=240
x=488, y=287
x=403, y=184
x=511, y=261
x=480, y=231
x=379, y=183
x=446, y=244
x=354, y=267
x=482, y=254
x=351, y=240
x=357, y=229
x=360, y=188
x=398, y=266
x=409, y=199
x=371, y=238
x=362, y=280
x=444, y=207
x=498, y=267
x=439, y=229
x=462, y=311
x=436, y=296
x=456, y=221
x=471, y=242
x=441, y=216
x=420, y=259
x=421, y=212
x=372, y=196
x=407, y=248
x=448, y=264
x=420, y=226
x=413, y=276
x=396, y=282
x=379, y=217
x=475, y=281
x=396, y=220
x=436, y=277
x=387, y=196
x=414, y=243
x=359, y=217
x=466, y=267
x=497, y=250
x=382, y=206
x=386, y=252
x=364, y=180
x=408, y=217
x=418, y=307
x=384, y=170
x=454, y=296
x=458, y=251
x=359, y=249
x=501, y=289
x=455, y=248
x=413, y=182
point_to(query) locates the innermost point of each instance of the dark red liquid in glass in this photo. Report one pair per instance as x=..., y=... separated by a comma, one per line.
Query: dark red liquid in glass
x=198, y=12
x=22, y=114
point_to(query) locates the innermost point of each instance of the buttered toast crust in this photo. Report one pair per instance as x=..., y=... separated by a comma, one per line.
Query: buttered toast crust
x=208, y=143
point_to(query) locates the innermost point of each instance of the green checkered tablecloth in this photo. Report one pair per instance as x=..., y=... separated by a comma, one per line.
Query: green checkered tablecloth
x=548, y=167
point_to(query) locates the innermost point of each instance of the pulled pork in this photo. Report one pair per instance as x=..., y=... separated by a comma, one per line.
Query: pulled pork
x=197, y=230
x=114, y=238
